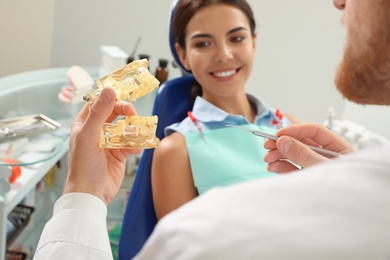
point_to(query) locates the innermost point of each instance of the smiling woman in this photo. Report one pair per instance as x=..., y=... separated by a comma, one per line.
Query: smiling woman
x=221, y=56
x=216, y=42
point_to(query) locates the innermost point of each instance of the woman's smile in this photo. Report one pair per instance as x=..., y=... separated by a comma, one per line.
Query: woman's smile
x=225, y=75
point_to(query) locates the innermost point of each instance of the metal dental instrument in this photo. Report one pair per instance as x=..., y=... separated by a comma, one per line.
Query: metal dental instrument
x=273, y=137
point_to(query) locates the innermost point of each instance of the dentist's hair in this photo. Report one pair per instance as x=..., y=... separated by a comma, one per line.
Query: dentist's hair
x=186, y=9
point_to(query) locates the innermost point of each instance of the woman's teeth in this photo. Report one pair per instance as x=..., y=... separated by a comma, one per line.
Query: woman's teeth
x=224, y=73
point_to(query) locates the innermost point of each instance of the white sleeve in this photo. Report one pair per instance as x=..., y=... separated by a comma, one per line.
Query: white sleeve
x=335, y=210
x=77, y=230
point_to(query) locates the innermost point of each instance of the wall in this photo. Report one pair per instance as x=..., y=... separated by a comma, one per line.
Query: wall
x=298, y=48
x=81, y=27
x=25, y=35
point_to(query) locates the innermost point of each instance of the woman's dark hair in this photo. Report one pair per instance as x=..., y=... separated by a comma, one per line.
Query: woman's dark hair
x=186, y=9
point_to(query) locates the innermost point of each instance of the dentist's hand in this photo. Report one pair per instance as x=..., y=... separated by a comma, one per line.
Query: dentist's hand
x=290, y=147
x=92, y=169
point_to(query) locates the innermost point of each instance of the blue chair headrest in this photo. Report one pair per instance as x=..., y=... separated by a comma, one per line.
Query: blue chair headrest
x=172, y=39
x=173, y=101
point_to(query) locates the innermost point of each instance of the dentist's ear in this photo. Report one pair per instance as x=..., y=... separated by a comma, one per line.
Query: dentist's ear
x=181, y=53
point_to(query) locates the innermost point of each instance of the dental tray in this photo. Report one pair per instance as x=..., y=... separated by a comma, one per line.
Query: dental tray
x=13, y=128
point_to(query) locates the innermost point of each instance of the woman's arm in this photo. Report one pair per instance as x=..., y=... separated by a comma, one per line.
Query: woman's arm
x=172, y=181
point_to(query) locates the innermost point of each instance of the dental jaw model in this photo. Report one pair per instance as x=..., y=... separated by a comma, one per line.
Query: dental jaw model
x=129, y=82
x=133, y=132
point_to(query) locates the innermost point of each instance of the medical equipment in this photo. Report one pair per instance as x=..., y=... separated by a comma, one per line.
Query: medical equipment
x=113, y=57
x=353, y=127
x=193, y=119
x=273, y=137
x=13, y=128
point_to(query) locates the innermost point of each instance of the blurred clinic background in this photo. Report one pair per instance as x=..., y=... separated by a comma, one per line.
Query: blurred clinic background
x=298, y=48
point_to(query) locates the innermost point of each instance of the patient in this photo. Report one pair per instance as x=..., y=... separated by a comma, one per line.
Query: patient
x=216, y=42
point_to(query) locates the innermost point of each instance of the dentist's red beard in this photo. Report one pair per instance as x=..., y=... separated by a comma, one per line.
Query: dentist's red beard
x=364, y=73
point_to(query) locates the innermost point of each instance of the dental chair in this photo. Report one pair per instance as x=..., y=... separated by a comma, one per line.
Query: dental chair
x=172, y=102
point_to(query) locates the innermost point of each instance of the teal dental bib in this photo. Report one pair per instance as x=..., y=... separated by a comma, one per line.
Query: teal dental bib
x=226, y=156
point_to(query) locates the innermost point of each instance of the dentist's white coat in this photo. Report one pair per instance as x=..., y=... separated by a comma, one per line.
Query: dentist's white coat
x=337, y=210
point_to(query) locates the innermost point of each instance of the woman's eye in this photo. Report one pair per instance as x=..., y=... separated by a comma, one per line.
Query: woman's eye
x=201, y=44
x=237, y=39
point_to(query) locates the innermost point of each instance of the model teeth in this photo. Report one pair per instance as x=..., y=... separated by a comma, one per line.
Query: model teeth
x=129, y=82
x=132, y=132
x=224, y=73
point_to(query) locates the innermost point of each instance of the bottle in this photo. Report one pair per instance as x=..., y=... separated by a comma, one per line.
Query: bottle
x=130, y=59
x=162, y=70
x=145, y=56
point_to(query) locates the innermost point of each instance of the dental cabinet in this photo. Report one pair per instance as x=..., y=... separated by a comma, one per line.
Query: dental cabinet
x=42, y=157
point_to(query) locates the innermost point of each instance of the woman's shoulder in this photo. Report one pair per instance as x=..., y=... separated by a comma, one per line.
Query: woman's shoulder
x=172, y=144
